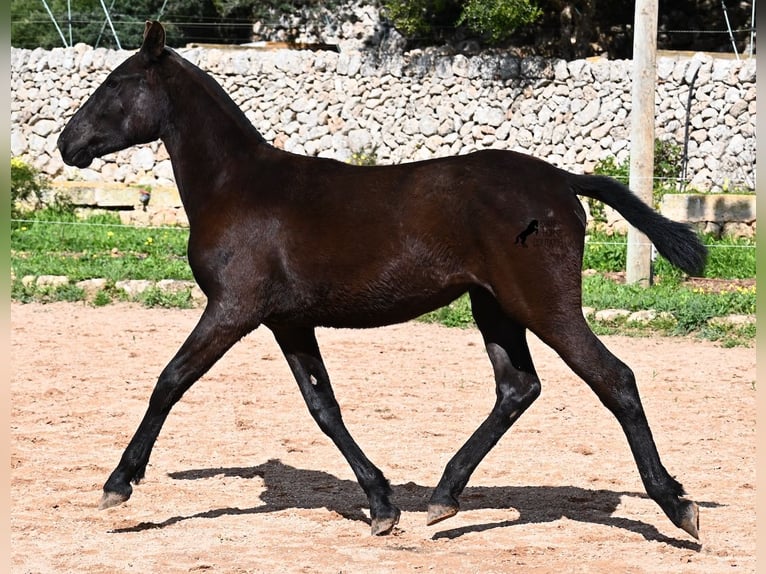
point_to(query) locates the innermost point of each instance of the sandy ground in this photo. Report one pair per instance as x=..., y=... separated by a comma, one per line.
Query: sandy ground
x=242, y=480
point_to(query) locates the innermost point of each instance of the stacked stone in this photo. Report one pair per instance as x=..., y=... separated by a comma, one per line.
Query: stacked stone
x=412, y=106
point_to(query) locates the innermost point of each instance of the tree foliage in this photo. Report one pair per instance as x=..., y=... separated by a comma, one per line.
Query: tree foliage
x=562, y=28
x=437, y=20
x=495, y=20
x=31, y=25
x=567, y=28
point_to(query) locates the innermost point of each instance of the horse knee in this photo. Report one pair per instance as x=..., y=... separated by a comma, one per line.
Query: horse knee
x=514, y=398
x=168, y=390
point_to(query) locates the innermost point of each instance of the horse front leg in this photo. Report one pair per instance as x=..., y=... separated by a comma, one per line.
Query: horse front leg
x=301, y=350
x=213, y=335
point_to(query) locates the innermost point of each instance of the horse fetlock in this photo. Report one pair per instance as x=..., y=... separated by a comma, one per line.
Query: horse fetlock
x=139, y=475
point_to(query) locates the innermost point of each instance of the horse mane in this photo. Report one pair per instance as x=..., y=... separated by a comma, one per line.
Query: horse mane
x=206, y=82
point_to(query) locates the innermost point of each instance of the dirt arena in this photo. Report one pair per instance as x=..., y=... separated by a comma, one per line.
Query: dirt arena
x=242, y=480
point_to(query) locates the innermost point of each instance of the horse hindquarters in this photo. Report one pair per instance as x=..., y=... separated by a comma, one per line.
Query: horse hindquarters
x=538, y=286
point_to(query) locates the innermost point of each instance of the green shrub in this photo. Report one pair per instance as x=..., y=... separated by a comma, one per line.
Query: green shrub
x=492, y=20
x=495, y=20
x=605, y=253
x=365, y=157
x=45, y=294
x=728, y=258
x=27, y=188
x=155, y=297
x=102, y=298
x=456, y=314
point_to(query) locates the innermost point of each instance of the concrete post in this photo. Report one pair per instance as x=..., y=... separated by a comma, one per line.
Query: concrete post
x=639, y=255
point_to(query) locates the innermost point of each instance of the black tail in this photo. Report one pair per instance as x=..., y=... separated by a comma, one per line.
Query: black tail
x=677, y=242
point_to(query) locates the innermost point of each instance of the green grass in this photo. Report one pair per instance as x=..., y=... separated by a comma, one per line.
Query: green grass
x=682, y=310
x=691, y=307
x=54, y=241
x=686, y=309
x=728, y=258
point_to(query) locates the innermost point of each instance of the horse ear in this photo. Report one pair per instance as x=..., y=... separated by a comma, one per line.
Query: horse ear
x=154, y=39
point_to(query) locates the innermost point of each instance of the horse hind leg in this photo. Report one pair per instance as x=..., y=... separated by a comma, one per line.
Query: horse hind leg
x=517, y=386
x=615, y=385
x=302, y=353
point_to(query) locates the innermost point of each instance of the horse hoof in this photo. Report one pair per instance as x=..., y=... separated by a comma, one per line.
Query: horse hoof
x=439, y=512
x=110, y=499
x=383, y=526
x=690, y=521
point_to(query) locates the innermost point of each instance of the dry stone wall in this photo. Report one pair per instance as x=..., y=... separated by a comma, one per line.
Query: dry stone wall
x=413, y=106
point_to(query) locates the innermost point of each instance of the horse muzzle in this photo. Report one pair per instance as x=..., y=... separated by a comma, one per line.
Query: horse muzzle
x=73, y=154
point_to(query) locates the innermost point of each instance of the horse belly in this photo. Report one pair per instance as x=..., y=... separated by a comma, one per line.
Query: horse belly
x=381, y=307
x=362, y=302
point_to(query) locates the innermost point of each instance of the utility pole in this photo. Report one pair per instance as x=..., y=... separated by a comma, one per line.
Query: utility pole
x=639, y=256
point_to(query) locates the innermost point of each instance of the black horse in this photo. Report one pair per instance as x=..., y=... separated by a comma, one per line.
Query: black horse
x=293, y=243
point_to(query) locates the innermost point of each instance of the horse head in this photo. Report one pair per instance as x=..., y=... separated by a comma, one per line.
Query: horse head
x=128, y=108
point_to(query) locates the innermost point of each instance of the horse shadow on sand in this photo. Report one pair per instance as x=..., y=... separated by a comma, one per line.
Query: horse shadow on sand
x=288, y=487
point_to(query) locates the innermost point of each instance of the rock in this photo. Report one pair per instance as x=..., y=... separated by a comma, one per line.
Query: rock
x=643, y=317
x=358, y=140
x=52, y=281
x=134, y=287
x=428, y=126
x=647, y=316
x=91, y=286
x=733, y=320
x=611, y=315
x=175, y=286
x=490, y=116
x=589, y=113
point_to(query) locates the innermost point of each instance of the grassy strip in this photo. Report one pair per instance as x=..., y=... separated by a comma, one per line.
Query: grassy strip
x=55, y=242
x=728, y=258
x=682, y=310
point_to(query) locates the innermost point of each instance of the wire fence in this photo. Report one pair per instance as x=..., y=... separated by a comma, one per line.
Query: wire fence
x=308, y=23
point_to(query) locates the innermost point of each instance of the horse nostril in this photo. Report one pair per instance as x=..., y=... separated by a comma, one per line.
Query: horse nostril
x=62, y=143
x=63, y=148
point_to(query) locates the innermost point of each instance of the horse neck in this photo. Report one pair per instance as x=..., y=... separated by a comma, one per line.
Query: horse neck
x=205, y=129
